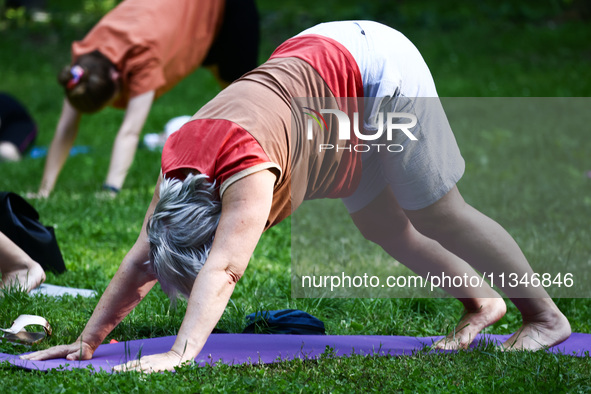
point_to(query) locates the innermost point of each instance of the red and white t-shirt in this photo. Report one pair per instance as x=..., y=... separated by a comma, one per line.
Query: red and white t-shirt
x=249, y=127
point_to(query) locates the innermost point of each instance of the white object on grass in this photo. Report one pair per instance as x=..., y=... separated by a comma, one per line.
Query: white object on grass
x=155, y=141
x=175, y=123
x=58, y=291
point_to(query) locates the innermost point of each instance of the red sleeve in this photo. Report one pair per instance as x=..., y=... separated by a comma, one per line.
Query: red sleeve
x=214, y=147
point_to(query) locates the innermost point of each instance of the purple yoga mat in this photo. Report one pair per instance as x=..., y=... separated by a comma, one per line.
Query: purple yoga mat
x=259, y=348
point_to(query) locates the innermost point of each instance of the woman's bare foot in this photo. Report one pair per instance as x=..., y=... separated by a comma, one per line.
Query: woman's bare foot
x=24, y=278
x=537, y=332
x=472, y=322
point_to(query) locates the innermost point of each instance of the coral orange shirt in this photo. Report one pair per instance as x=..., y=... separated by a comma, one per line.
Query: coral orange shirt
x=154, y=44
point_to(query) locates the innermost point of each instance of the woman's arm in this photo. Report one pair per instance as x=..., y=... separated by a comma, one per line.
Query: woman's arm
x=63, y=140
x=127, y=138
x=245, y=210
x=128, y=287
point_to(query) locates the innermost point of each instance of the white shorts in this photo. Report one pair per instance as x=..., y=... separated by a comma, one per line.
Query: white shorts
x=396, y=79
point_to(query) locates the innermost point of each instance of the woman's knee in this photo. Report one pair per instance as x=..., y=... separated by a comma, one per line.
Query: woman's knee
x=382, y=221
x=395, y=231
x=440, y=217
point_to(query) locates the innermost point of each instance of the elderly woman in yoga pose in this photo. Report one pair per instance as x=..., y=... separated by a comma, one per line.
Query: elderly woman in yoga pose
x=241, y=166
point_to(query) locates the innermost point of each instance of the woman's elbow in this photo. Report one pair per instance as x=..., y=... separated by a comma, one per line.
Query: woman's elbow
x=234, y=274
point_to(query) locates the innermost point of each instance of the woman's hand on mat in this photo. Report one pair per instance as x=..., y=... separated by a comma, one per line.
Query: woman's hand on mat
x=76, y=351
x=154, y=363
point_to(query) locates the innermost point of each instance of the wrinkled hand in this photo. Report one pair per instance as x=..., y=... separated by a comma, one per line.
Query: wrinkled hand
x=154, y=363
x=76, y=351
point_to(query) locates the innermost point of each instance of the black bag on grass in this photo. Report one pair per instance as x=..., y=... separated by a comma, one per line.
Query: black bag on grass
x=284, y=321
x=19, y=221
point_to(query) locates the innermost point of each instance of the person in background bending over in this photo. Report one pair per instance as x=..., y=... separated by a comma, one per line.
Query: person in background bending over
x=136, y=53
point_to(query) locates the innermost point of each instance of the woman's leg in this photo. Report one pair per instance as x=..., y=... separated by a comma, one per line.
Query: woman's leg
x=17, y=268
x=385, y=223
x=484, y=244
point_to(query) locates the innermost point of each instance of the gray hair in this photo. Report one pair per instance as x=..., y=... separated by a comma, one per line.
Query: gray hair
x=181, y=232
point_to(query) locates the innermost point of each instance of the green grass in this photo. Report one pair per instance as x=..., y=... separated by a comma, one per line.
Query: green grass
x=530, y=177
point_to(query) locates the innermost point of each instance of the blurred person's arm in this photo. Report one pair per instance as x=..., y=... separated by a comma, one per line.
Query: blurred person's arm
x=127, y=139
x=63, y=140
x=129, y=286
x=245, y=209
